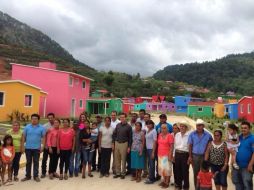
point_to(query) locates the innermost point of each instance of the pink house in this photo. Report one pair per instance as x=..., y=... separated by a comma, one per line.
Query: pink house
x=160, y=106
x=67, y=91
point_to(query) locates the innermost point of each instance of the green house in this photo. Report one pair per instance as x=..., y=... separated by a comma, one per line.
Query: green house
x=200, y=109
x=103, y=105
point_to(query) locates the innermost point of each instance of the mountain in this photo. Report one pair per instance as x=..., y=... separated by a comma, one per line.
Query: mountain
x=19, y=43
x=230, y=73
x=23, y=44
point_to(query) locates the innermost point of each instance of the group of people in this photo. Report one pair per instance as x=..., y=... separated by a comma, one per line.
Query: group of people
x=138, y=147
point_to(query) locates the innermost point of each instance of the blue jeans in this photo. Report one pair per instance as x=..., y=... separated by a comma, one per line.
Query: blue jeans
x=75, y=163
x=151, y=164
x=242, y=179
x=32, y=157
x=87, y=156
x=221, y=177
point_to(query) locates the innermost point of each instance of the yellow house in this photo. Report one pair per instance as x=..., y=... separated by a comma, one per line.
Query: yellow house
x=219, y=110
x=16, y=95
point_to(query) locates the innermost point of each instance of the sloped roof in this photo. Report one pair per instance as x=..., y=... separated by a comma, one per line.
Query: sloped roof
x=201, y=103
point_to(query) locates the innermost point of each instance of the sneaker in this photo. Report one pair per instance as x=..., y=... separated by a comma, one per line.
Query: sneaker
x=236, y=166
x=116, y=176
x=43, y=176
x=122, y=176
x=37, y=179
x=148, y=181
x=26, y=179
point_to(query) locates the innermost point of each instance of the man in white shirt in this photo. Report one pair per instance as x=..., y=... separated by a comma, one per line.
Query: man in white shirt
x=114, y=120
x=181, y=155
x=142, y=113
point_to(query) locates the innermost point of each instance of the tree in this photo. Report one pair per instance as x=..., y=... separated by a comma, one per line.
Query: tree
x=109, y=79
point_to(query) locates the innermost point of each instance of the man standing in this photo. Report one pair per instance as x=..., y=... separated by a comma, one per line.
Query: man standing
x=114, y=120
x=163, y=120
x=34, y=137
x=47, y=126
x=142, y=113
x=242, y=178
x=134, y=117
x=122, y=138
x=198, y=141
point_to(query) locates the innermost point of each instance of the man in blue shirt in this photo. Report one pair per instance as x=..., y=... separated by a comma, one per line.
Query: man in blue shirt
x=34, y=137
x=163, y=120
x=198, y=141
x=242, y=178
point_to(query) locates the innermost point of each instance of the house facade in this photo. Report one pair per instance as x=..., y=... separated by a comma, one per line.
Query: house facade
x=200, y=109
x=181, y=103
x=27, y=98
x=246, y=108
x=231, y=110
x=67, y=91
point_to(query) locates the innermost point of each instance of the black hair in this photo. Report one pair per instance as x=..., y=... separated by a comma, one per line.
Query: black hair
x=140, y=124
x=35, y=115
x=59, y=121
x=67, y=119
x=107, y=118
x=51, y=114
x=233, y=127
x=5, y=140
x=114, y=111
x=149, y=115
x=246, y=123
x=150, y=122
x=205, y=165
x=218, y=131
x=142, y=110
x=123, y=114
x=95, y=123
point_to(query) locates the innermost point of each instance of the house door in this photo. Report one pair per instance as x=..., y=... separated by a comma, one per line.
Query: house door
x=95, y=108
x=73, y=108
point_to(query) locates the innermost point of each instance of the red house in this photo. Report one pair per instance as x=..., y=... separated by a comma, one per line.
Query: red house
x=139, y=100
x=246, y=108
x=128, y=107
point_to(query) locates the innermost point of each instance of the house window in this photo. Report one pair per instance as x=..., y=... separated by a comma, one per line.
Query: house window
x=200, y=109
x=71, y=81
x=212, y=109
x=179, y=107
x=249, y=108
x=241, y=108
x=1, y=99
x=76, y=81
x=28, y=100
x=80, y=103
x=227, y=110
x=83, y=84
x=106, y=105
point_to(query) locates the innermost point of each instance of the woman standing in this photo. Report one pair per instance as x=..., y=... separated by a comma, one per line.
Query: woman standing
x=217, y=154
x=137, y=153
x=151, y=144
x=165, y=155
x=181, y=155
x=105, y=146
x=16, y=134
x=86, y=145
x=66, y=143
x=52, y=139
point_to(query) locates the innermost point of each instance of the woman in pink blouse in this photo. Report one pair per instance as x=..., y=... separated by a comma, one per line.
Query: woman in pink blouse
x=165, y=155
x=52, y=145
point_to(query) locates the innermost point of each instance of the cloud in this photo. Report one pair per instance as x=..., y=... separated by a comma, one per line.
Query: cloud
x=141, y=36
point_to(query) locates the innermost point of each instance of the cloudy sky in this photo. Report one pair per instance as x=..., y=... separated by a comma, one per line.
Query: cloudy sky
x=141, y=35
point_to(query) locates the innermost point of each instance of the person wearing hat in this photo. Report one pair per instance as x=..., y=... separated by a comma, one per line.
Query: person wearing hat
x=198, y=141
x=181, y=155
x=163, y=120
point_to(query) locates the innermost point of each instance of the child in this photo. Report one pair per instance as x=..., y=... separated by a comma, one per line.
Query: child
x=94, y=135
x=204, y=178
x=233, y=143
x=7, y=155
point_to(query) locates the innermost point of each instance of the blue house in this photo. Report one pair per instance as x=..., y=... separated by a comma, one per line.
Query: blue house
x=140, y=106
x=181, y=102
x=232, y=110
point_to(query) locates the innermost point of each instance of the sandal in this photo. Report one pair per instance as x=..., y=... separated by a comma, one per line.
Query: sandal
x=161, y=183
x=83, y=176
x=16, y=178
x=165, y=186
x=65, y=176
x=90, y=175
x=61, y=177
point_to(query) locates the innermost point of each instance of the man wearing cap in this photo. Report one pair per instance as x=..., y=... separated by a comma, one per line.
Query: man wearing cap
x=163, y=120
x=198, y=141
x=181, y=155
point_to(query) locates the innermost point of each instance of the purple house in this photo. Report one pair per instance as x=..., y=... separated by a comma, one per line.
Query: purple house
x=160, y=106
